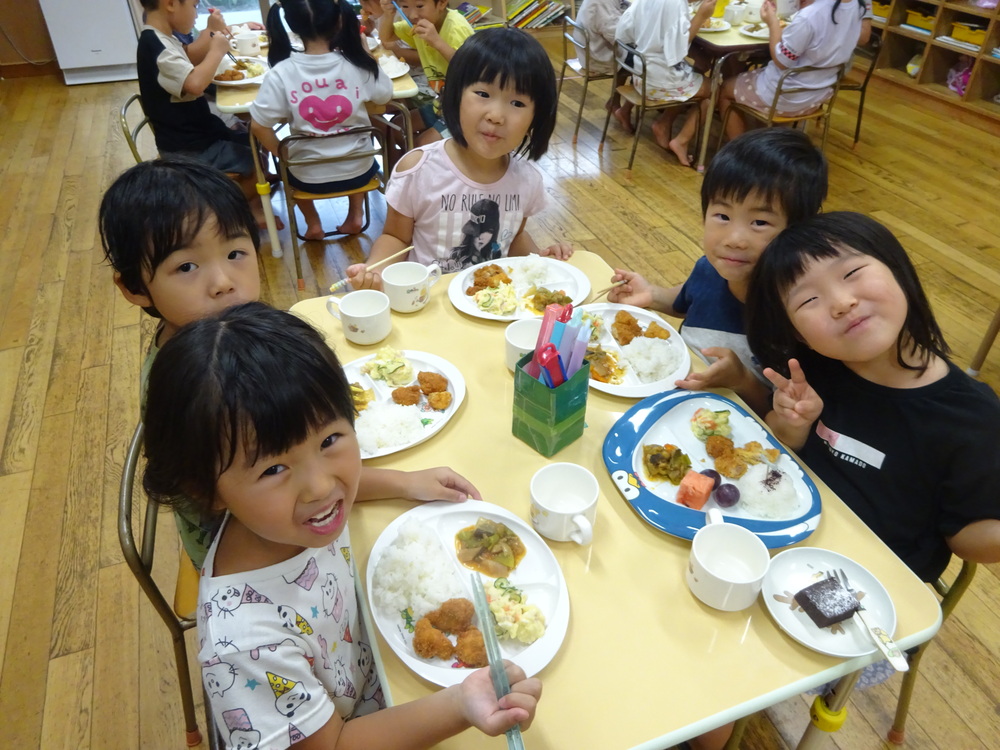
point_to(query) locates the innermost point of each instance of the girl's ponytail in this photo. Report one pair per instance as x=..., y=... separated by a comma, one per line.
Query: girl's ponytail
x=281, y=45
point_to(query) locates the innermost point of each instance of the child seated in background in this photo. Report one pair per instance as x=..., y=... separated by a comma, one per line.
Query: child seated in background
x=172, y=85
x=600, y=19
x=183, y=246
x=435, y=32
x=263, y=433
x=754, y=187
x=823, y=34
x=662, y=32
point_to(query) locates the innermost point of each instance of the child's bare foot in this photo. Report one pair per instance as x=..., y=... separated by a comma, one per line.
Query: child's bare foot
x=258, y=215
x=624, y=120
x=661, y=131
x=680, y=150
x=314, y=232
x=351, y=225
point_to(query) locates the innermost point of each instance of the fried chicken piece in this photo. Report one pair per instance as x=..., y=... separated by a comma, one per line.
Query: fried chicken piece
x=625, y=328
x=471, y=649
x=752, y=453
x=731, y=465
x=439, y=401
x=772, y=454
x=429, y=642
x=432, y=382
x=454, y=616
x=487, y=276
x=407, y=396
x=717, y=445
x=655, y=331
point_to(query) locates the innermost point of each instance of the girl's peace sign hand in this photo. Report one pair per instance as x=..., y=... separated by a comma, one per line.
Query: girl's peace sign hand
x=795, y=402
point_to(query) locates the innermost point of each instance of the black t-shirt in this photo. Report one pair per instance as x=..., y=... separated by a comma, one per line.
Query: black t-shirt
x=917, y=465
x=181, y=122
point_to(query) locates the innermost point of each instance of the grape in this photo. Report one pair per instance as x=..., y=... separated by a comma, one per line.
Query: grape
x=727, y=495
x=716, y=477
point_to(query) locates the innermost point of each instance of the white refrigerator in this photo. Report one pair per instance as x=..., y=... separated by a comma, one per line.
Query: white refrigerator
x=95, y=40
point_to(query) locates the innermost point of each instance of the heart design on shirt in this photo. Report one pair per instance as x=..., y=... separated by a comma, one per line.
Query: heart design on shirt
x=323, y=114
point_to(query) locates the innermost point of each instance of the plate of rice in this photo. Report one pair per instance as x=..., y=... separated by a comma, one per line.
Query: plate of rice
x=513, y=300
x=777, y=500
x=254, y=70
x=644, y=366
x=413, y=569
x=384, y=426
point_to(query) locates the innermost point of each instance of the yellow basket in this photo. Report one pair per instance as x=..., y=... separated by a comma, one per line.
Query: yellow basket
x=918, y=19
x=880, y=9
x=967, y=32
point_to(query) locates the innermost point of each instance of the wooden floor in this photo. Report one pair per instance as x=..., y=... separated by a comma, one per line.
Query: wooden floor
x=86, y=663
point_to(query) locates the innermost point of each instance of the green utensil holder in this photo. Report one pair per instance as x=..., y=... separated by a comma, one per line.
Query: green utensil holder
x=549, y=419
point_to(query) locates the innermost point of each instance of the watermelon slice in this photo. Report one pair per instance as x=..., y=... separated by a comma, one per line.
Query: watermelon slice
x=695, y=489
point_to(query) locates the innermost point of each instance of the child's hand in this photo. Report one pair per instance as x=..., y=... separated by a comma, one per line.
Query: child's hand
x=440, y=484
x=635, y=291
x=388, y=7
x=216, y=22
x=727, y=371
x=427, y=31
x=769, y=12
x=482, y=709
x=559, y=251
x=795, y=401
x=219, y=43
x=361, y=278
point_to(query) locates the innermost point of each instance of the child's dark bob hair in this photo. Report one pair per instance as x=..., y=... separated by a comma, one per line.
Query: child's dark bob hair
x=251, y=378
x=779, y=164
x=332, y=20
x=504, y=56
x=158, y=207
x=770, y=333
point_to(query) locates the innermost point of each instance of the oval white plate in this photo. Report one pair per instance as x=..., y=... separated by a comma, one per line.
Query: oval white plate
x=718, y=24
x=560, y=275
x=793, y=570
x=394, y=67
x=421, y=361
x=538, y=576
x=764, y=33
x=255, y=81
x=631, y=386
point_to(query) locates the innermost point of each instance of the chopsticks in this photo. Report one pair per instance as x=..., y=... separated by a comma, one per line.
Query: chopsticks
x=497, y=673
x=402, y=14
x=342, y=282
x=596, y=296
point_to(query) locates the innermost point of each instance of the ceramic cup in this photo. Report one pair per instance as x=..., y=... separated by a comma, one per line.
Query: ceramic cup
x=752, y=12
x=733, y=14
x=519, y=339
x=564, y=503
x=248, y=43
x=364, y=314
x=727, y=564
x=408, y=284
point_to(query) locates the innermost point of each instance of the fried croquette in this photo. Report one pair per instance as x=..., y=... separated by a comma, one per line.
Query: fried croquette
x=625, y=328
x=407, y=396
x=471, y=649
x=655, y=331
x=429, y=642
x=731, y=465
x=717, y=445
x=432, y=382
x=454, y=616
x=487, y=276
x=439, y=401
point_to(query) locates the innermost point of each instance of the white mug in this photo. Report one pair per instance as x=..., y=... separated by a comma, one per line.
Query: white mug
x=787, y=8
x=364, y=315
x=408, y=284
x=520, y=338
x=733, y=15
x=564, y=503
x=752, y=12
x=727, y=564
x=248, y=43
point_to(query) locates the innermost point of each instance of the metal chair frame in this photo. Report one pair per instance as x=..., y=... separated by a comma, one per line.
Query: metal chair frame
x=637, y=69
x=583, y=69
x=871, y=52
x=132, y=134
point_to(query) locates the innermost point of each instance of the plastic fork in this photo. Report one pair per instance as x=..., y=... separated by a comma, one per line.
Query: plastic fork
x=878, y=634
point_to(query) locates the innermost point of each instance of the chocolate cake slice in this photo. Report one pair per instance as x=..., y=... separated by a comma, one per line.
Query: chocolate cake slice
x=827, y=602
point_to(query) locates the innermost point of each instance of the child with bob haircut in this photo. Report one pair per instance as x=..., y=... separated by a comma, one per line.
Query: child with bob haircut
x=754, y=187
x=500, y=105
x=183, y=246
x=865, y=392
x=263, y=431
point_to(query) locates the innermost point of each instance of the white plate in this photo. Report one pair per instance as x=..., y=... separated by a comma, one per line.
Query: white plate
x=422, y=362
x=393, y=67
x=764, y=33
x=793, y=570
x=228, y=64
x=538, y=576
x=560, y=275
x=631, y=386
x=718, y=24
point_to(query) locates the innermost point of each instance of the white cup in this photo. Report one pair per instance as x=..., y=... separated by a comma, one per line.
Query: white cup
x=787, y=8
x=519, y=339
x=727, y=564
x=564, y=503
x=408, y=284
x=752, y=12
x=364, y=315
x=248, y=43
x=733, y=14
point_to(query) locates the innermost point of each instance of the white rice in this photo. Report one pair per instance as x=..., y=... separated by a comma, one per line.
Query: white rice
x=651, y=359
x=532, y=271
x=385, y=425
x=775, y=499
x=415, y=571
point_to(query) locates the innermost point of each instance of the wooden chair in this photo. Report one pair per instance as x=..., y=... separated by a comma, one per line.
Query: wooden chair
x=179, y=617
x=132, y=133
x=950, y=596
x=376, y=148
x=985, y=345
x=868, y=53
x=631, y=61
x=786, y=86
x=579, y=62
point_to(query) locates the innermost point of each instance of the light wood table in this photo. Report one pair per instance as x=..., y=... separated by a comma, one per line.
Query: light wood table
x=644, y=664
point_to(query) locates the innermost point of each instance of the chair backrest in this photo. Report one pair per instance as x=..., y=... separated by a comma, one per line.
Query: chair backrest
x=631, y=60
x=376, y=147
x=870, y=53
x=786, y=85
x=952, y=593
x=132, y=133
x=573, y=47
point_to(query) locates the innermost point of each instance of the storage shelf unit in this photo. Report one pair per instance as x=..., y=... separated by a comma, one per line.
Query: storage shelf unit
x=900, y=44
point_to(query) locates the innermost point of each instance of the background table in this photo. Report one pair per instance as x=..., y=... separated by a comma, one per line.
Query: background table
x=644, y=664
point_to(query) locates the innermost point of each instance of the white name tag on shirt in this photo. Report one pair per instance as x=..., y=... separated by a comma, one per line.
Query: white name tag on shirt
x=849, y=448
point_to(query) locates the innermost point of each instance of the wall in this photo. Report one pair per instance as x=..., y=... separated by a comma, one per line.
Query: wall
x=23, y=22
